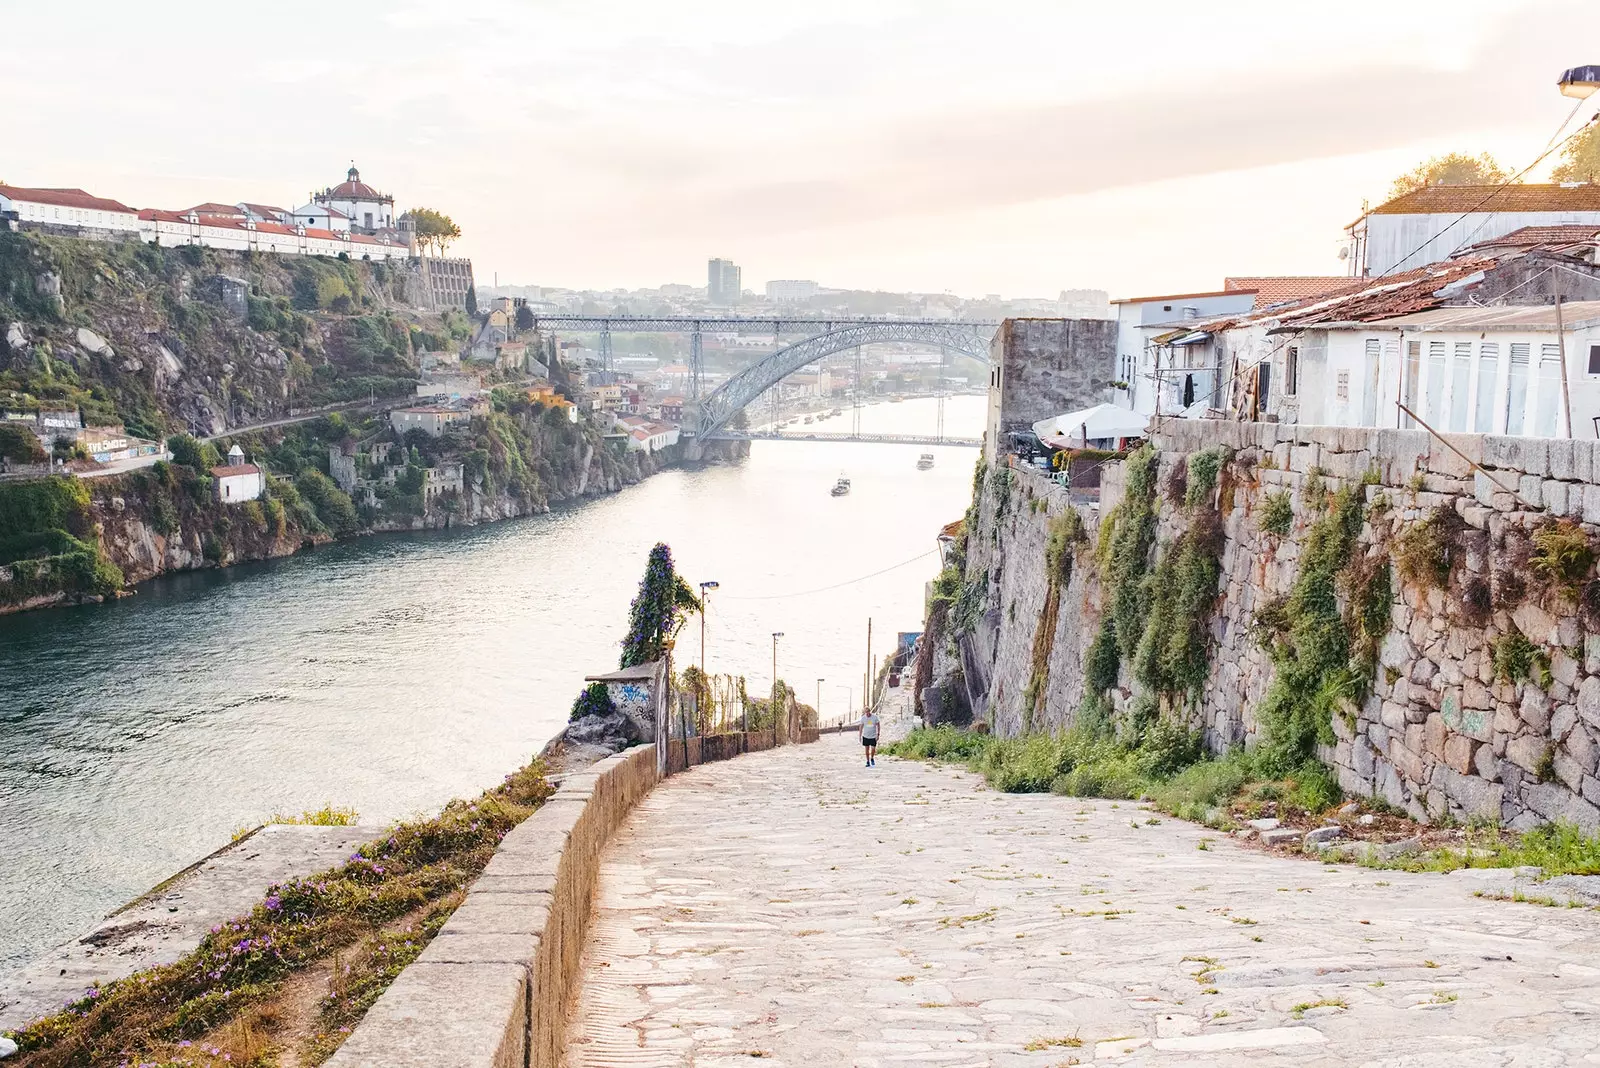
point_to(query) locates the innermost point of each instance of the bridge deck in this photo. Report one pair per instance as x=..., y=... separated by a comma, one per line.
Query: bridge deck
x=797, y=908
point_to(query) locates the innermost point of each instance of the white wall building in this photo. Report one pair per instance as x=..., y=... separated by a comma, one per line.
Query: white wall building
x=67, y=207
x=237, y=483
x=432, y=419
x=241, y=234
x=1427, y=225
x=792, y=289
x=1144, y=364
x=365, y=207
x=320, y=217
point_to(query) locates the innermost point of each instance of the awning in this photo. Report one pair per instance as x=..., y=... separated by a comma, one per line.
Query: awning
x=1101, y=421
x=1194, y=338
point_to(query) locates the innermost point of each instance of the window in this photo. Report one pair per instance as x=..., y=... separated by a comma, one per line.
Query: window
x=1291, y=371
x=1488, y=385
x=1547, y=402
x=1433, y=395
x=1413, y=371
x=1460, y=386
x=1263, y=386
x=1369, y=389
x=1594, y=359
x=1517, y=390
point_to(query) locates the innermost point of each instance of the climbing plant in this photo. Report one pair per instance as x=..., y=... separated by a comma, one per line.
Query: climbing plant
x=1123, y=552
x=658, y=611
x=594, y=700
x=1173, y=654
x=1323, y=654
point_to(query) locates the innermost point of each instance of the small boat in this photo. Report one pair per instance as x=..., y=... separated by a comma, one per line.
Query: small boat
x=841, y=487
x=925, y=461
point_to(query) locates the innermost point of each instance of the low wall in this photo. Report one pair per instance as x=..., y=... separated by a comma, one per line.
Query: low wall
x=491, y=990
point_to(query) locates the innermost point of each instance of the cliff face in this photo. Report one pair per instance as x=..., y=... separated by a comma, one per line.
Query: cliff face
x=1356, y=595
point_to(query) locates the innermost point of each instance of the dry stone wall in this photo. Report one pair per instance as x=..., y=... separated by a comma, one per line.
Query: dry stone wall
x=1485, y=697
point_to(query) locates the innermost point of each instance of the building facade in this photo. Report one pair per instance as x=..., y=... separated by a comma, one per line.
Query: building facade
x=1039, y=368
x=792, y=289
x=432, y=420
x=367, y=209
x=724, y=282
x=67, y=208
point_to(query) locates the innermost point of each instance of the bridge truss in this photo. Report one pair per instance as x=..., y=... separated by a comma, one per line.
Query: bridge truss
x=821, y=337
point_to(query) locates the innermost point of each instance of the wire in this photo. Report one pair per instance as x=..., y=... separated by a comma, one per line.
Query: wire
x=835, y=586
x=1550, y=147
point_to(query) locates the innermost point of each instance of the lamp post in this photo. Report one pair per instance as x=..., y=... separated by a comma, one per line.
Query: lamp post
x=705, y=600
x=774, y=700
x=819, y=701
x=1580, y=82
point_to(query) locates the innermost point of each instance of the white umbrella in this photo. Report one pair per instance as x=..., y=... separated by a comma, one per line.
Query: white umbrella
x=1101, y=421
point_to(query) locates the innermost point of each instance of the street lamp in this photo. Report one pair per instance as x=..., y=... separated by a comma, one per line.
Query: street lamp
x=705, y=594
x=819, y=701
x=774, y=700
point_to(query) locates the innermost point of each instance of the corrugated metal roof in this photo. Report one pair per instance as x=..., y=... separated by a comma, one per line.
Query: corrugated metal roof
x=1511, y=317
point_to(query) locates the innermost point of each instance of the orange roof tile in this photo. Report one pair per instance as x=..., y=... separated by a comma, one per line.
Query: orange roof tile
x=64, y=198
x=1276, y=289
x=237, y=469
x=1456, y=199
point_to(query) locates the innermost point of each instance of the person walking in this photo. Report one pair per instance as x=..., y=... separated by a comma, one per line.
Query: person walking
x=869, y=735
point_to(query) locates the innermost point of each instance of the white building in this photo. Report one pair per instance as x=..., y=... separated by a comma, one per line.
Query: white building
x=66, y=207
x=366, y=208
x=238, y=481
x=320, y=217
x=1428, y=224
x=792, y=289
x=431, y=419
x=1146, y=365
x=239, y=233
x=446, y=478
x=647, y=436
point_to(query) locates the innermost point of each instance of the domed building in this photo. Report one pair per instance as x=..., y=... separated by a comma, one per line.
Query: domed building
x=367, y=209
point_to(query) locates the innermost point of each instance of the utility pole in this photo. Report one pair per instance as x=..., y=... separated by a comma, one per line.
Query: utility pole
x=866, y=689
x=1561, y=348
x=705, y=602
x=774, y=699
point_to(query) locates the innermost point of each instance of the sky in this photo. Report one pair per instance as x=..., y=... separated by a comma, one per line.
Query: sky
x=1013, y=147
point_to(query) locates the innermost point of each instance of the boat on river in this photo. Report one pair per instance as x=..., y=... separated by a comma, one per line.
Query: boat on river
x=841, y=487
x=925, y=461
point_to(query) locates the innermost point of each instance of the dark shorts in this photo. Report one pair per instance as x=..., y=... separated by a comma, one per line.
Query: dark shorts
x=869, y=741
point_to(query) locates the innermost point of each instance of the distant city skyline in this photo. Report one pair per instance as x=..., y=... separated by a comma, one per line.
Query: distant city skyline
x=870, y=145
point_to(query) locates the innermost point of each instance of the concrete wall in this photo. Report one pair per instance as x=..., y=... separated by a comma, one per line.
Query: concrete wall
x=1439, y=733
x=1044, y=367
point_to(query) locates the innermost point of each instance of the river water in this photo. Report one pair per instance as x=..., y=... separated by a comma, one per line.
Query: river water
x=393, y=673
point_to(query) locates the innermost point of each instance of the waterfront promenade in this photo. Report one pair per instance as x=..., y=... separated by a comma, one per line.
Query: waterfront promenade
x=794, y=908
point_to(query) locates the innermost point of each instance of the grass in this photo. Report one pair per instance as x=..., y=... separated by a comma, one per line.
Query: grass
x=1064, y=1042
x=362, y=922
x=1300, y=1010
x=1559, y=848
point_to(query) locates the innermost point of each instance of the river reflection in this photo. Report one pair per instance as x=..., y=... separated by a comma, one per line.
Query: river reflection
x=395, y=672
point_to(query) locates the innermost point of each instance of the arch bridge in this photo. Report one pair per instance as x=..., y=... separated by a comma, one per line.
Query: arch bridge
x=822, y=337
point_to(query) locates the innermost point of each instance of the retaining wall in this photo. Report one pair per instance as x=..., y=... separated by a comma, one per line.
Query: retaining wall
x=491, y=990
x=1441, y=732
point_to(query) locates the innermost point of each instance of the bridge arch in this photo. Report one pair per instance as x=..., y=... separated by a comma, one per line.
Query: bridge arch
x=718, y=407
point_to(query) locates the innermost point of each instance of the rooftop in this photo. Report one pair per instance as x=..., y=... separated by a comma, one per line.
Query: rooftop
x=1459, y=199
x=65, y=198
x=1278, y=289
x=235, y=469
x=1508, y=317
x=1181, y=296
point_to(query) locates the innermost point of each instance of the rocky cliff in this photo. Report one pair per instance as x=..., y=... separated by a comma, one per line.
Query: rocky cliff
x=1429, y=631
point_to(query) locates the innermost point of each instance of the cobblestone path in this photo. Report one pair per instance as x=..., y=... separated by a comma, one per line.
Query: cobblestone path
x=794, y=908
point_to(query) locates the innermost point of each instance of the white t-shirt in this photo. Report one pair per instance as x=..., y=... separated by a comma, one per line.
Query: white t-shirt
x=869, y=725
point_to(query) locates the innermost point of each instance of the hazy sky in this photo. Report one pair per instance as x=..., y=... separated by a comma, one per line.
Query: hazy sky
x=1005, y=146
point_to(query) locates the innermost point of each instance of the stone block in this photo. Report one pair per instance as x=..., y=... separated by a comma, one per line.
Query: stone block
x=1323, y=835
x=1434, y=734
x=1528, y=753
x=1589, y=700
x=1535, y=623
x=1485, y=764
x=1483, y=488
x=1531, y=489
x=1558, y=803
x=1407, y=761
x=502, y=914
x=1562, y=721
x=1591, y=503
x=453, y=947
x=1458, y=753
x=1535, y=709
x=1530, y=456
x=1350, y=465
x=444, y=1016
x=1554, y=496
x=1477, y=796
x=1302, y=458
x=1563, y=668
x=1281, y=836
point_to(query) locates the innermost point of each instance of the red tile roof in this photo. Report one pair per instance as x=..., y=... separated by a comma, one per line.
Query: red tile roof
x=1278, y=289
x=1457, y=199
x=264, y=209
x=1383, y=298
x=64, y=198
x=1554, y=238
x=357, y=191
x=237, y=469
x=213, y=208
x=160, y=215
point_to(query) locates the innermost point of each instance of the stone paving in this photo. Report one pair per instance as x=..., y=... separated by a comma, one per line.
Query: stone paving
x=795, y=908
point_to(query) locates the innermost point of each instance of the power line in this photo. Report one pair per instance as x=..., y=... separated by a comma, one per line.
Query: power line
x=835, y=586
x=1501, y=188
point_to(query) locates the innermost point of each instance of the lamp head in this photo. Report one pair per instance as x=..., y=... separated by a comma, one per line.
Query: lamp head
x=710, y=585
x=777, y=634
x=1580, y=82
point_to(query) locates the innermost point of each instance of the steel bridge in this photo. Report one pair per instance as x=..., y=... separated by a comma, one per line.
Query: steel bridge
x=820, y=337
x=833, y=435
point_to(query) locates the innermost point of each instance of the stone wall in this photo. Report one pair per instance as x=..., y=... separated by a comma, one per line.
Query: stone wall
x=492, y=989
x=1440, y=733
x=1043, y=367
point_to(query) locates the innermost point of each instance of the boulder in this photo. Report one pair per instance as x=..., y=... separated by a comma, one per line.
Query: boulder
x=94, y=344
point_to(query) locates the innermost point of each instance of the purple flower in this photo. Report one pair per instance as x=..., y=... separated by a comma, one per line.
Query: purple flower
x=274, y=903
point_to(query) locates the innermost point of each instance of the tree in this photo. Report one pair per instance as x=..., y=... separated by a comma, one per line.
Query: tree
x=1450, y=169
x=524, y=317
x=435, y=229
x=191, y=452
x=658, y=611
x=472, y=301
x=1580, y=160
x=20, y=445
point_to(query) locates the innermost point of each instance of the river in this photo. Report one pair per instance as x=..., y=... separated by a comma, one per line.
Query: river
x=395, y=672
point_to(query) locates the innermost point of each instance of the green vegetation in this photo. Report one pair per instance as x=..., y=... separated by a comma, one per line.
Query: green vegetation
x=359, y=923
x=1516, y=659
x=659, y=609
x=1562, y=557
x=1452, y=168
x=1203, y=468
x=48, y=544
x=1123, y=553
x=1322, y=657
x=1173, y=655
x=1428, y=550
x=1277, y=514
x=1559, y=848
x=593, y=700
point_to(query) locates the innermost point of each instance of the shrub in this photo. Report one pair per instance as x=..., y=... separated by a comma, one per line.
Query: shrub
x=595, y=700
x=1204, y=467
x=1516, y=659
x=1562, y=557
x=333, y=506
x=1428, y=550
x=1277, y=514
x=189, y=451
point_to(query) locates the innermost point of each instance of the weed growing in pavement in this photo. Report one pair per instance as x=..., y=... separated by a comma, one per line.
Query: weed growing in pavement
x=1299, y=1011
x=1067, y=1042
